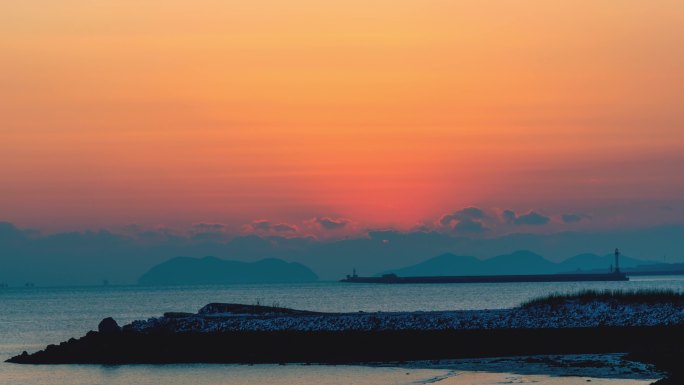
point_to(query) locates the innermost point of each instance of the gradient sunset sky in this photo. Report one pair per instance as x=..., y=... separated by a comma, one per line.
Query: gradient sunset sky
x=259, y=115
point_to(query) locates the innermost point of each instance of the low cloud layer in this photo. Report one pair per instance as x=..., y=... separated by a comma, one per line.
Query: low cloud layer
x=468, y=213
x=470, y=226
x=328, y=223
x=209, y=227
x=469, y=220
x=531, y=218
x=263, y=225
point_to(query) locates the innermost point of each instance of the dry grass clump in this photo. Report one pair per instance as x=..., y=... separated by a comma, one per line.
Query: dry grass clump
x=623, y=296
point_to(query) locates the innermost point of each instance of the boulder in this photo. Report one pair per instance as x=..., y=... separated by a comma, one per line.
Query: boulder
x=108, y=325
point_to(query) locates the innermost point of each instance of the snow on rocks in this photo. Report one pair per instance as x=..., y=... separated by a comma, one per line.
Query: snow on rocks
x=570, y=314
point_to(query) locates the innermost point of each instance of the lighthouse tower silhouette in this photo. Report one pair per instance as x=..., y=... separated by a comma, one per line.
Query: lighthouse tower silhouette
x=617, y=261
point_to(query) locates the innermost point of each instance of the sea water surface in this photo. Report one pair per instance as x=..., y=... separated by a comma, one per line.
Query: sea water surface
x=31, y=318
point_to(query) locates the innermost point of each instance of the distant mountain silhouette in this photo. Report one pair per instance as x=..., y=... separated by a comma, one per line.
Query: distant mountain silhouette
x=445, y=264
x=212, y=270
x=519, y=262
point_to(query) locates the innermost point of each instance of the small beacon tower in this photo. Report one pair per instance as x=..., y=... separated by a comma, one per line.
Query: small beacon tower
x=617, y=261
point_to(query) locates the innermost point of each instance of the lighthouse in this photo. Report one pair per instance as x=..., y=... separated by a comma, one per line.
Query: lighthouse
x=617, y=261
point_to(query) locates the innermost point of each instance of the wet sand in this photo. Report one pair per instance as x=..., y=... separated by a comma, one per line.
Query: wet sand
x=487, y=378
x=543, y=369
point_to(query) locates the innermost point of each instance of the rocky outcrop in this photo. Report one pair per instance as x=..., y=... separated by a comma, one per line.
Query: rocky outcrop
x=108, y=326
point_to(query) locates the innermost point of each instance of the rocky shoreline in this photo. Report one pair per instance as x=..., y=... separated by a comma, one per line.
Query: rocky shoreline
x=235, y=333
x=244, y=318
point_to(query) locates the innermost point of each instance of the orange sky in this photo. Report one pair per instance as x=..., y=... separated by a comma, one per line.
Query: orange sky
x=389, y=113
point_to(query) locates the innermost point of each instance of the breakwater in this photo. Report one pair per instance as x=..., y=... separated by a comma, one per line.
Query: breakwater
x=258, y=334
x=395, y=279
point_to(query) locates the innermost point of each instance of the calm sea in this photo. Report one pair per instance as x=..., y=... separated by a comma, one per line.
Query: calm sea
x=31, y=318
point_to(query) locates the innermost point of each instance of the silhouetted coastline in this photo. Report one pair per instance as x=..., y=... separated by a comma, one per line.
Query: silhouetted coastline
x=234, y=333
x=350, y=346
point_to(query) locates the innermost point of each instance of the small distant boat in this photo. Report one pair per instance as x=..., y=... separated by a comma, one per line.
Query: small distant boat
x=614, y=275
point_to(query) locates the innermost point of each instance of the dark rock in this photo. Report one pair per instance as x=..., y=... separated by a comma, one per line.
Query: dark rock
x=108, y=325
x=236, y=308
x=177, y=314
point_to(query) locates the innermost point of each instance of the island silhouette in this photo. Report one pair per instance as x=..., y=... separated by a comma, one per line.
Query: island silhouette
x=212, y=270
